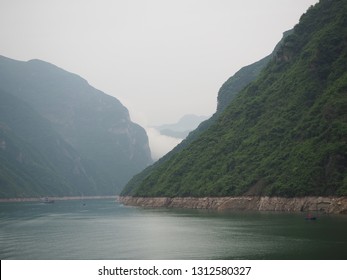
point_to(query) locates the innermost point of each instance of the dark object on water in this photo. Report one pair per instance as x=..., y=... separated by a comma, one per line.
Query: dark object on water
x=47, y=200
x=310, y=217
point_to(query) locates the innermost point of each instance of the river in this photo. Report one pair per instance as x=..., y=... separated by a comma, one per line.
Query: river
x=105, y=229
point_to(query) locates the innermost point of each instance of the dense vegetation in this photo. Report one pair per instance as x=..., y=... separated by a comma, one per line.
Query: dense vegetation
x=284, y=134
x=225, y=95
x=34, y=159
x=60, y=136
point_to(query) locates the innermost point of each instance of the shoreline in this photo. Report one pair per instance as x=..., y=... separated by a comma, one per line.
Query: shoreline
x=327, y=205
x=56, y=198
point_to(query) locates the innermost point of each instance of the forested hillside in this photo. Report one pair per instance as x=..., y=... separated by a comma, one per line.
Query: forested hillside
x=226, y=94
x=61, y=136
x=34, y=159
x=284, y=134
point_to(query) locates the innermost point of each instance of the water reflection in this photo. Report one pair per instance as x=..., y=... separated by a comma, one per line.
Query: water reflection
x=103, y=229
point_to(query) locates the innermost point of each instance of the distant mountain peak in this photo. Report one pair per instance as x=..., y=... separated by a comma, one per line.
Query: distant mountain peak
x=182, y=127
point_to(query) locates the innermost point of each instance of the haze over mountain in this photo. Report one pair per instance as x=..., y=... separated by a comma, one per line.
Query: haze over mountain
x=149, y=54
x=181, y=128
x=283, y=134
x=64, y=127
x=164, y=138
x=226, y=94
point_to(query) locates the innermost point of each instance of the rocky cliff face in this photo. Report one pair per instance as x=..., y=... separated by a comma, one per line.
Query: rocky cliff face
x=34, y=158
x=328, y=205
x=96, y=125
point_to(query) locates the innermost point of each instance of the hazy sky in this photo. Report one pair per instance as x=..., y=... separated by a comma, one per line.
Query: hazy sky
x=161, y=58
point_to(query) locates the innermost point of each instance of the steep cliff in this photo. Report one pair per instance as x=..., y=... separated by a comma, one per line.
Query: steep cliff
x=226, y=94
x=284, y=134
x=34, y=159
x=95, y=125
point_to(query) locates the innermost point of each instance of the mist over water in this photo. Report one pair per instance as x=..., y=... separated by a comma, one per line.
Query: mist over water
x=104, y=229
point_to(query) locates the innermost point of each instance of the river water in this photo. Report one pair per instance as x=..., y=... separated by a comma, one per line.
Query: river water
x=105, y=229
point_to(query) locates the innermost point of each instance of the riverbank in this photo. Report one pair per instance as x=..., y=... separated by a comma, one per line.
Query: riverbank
x=329, y=205
x=28, y=199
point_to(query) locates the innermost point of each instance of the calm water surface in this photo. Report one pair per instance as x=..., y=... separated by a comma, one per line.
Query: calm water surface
x=104, y=229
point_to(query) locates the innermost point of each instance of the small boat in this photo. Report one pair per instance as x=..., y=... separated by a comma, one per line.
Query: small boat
x=47, y=200
x=309, y=217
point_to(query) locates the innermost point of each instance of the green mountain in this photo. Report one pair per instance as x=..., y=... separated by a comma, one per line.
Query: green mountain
x=226, y=94
x=284, y=134
x=94, y=130
x=34, y=159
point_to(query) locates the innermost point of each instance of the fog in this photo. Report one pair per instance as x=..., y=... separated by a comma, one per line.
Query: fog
x=160, y=144
x=161, y=58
